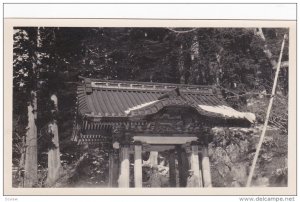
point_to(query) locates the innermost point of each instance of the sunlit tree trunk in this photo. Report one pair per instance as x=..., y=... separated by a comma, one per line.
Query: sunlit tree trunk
x=30, y=178
x=54, y=165
x=31, y=172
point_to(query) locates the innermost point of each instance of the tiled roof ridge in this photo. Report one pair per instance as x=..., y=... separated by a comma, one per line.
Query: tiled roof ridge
x=143, y=82
x=91, y=84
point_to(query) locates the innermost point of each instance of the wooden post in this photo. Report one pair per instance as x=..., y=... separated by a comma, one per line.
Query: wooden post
x=138, y=175
x=206, y=168
x=195, y=162
x=124, y=170
x=182, y=165
x=172, y=169
x=201, y=178
x=111, y=169
x=116, y=170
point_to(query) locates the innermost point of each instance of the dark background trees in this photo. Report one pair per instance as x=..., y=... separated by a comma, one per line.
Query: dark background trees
x=49, y=60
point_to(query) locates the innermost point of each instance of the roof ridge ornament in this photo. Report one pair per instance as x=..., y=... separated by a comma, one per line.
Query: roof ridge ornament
x=134, y=85
x=88, y=85
x=171, y=94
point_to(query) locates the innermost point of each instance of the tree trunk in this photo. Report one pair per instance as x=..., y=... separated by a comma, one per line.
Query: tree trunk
x=219, y=65
x=267, y=51
x=22, y=161
x=54, y=165
x=181, y=65
x=194, y=75
x=30, y=178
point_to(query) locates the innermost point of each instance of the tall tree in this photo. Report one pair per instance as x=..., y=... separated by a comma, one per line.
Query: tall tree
x=54, y=162
x=26, y=61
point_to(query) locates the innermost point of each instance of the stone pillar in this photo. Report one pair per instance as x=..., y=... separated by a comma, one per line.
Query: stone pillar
x=206, y=167
x=124, y=168
x=153, y=158
x=172, y=169
x=194, y=159
x=138, y=174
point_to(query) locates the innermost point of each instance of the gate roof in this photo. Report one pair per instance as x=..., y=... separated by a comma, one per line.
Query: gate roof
x=120, y=99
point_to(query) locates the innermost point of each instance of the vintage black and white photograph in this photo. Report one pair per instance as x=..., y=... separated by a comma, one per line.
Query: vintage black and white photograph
x=150, y=107
x=106, y=107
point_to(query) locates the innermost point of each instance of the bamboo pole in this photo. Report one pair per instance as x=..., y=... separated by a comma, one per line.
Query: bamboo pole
x=267, y=116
